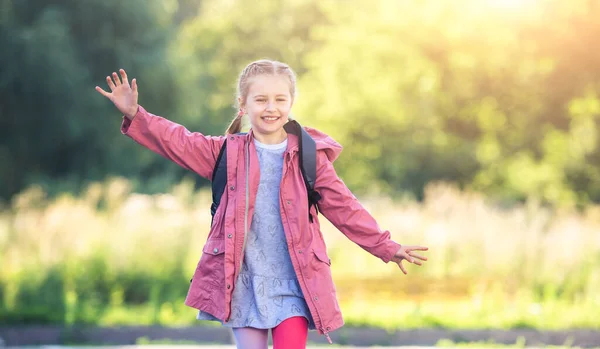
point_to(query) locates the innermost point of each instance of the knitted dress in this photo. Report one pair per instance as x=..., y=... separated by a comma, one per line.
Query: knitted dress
x=267, y=290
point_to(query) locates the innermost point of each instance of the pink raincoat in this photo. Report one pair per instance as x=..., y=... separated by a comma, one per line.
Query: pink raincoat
x=221, y=261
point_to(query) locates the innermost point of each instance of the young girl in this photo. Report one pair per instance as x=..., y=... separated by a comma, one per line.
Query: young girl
x=264, y=265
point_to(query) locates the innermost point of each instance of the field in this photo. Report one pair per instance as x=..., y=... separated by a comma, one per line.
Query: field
x=114, y=257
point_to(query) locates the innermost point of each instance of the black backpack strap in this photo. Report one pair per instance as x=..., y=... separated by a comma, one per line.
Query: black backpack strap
x=307, y=149
x=219, y=178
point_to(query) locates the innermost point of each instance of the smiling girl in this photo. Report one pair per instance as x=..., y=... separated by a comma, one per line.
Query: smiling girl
x=264, y=264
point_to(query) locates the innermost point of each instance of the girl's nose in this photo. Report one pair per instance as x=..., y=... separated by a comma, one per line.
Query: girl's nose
x=270, y=106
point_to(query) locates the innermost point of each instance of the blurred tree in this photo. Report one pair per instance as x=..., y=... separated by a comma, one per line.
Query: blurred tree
x=211, y=50
x=479, y=93
x=467, y=91
x=53, y=125
x=379, y=84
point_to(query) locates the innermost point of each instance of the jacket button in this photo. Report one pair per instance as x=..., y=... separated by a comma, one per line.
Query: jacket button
x=231, y=138
x=289, y=202
x=232, y=187
x=229, y=236
x=300, y=251
x=216, y=250
x=316, y=298
x=228, y=286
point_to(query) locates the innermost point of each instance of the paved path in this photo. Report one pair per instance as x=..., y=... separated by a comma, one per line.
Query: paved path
x=124, y=337
x=227, y=347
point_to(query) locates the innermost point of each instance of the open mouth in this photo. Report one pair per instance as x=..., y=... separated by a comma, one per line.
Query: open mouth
x=271, y=118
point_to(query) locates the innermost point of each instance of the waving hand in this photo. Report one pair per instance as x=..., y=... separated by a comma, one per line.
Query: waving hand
x=123, y=96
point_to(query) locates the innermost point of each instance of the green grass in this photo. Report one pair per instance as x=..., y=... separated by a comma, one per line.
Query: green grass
x=112, y=257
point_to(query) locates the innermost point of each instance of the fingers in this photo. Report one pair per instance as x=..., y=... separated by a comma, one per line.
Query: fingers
x=411, y=258
x=114, y=81
x=110, y=83
x=116, y=78
x=102, y=92
x=406, y=256
x=124, y=77
x=413, y=261
x=414, y=255
x=416, y=248
x=402, y=267
x=134, y=86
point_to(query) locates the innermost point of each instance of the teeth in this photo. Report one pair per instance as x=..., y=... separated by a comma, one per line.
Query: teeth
x=270, y=119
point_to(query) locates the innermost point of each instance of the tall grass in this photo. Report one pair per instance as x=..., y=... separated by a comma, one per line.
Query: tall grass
x=112, y=256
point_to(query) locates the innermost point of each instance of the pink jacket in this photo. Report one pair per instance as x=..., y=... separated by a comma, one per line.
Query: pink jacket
x=214, y=279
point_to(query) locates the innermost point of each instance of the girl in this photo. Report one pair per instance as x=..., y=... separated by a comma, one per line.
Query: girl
x=264, y=265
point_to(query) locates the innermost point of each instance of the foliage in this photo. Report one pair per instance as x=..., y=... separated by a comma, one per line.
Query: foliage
x=461, y=92
x=53, y=125
x=67, y=261
x=498, y=97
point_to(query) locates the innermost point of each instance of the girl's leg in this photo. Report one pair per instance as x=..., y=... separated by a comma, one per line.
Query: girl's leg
x=250, y=338
x=291, y=333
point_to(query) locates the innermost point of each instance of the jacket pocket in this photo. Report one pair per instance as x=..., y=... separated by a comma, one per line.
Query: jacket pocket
x=214, y=247
x=210, y=272
x=322, y=256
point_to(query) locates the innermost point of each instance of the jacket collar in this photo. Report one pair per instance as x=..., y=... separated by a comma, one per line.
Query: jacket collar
x=324, y=142
x=292, y=145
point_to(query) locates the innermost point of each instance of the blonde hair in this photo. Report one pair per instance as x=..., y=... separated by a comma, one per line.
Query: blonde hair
x=256, y=68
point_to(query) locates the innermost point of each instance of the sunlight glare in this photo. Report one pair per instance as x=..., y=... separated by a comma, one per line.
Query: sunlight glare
x=514, y=5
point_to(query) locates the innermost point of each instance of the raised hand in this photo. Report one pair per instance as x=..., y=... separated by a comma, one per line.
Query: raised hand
x=123, y=96
x=407, y=253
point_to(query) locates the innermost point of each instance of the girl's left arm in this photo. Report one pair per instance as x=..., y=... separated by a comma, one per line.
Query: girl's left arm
x=346, y=213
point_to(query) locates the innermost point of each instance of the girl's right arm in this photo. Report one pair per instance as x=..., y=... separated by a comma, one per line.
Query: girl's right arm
x=193, y=151
x=190, y=150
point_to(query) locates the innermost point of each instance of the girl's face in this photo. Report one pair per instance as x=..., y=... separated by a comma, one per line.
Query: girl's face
x=268, y=104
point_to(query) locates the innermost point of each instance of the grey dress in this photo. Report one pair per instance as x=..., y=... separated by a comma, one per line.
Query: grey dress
x=267, y=290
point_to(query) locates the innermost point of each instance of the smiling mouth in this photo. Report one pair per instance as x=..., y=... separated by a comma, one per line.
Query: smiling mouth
x=270, y=118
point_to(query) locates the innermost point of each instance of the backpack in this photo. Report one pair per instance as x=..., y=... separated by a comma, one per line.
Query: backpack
x=308, y=166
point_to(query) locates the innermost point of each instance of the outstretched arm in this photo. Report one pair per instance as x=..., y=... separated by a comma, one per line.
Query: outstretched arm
x=191, y=150
x=346, y=213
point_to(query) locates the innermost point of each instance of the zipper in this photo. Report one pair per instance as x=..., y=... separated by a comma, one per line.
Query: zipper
x=325, y=332
x=247, y=156
x=247, y=200
x=327, y=336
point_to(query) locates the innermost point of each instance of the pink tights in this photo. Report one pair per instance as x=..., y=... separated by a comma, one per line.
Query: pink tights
x=290, y=334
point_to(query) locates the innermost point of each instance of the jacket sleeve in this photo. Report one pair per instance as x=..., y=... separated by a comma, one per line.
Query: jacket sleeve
x=347, y=214
x=190, y=150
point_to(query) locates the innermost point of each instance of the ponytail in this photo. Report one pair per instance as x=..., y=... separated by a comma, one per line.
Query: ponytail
x=236, y=124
